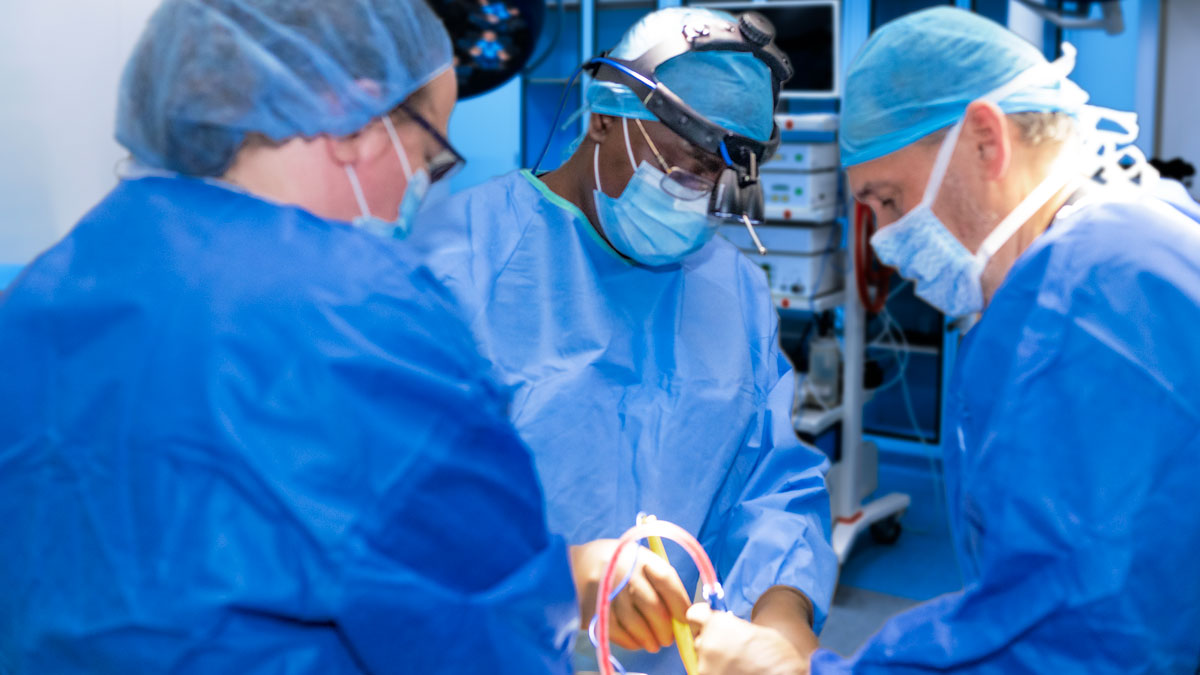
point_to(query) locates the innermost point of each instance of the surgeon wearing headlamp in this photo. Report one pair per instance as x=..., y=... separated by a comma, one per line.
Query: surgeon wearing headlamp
x=643, y=352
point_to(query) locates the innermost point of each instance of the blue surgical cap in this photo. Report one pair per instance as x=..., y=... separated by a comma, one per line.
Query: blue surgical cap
x=917, y=74
x=207, y=72
x=732, y=89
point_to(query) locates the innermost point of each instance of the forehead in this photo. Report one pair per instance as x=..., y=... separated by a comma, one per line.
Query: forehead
x=904, y=167
x=672, y=144
x=436, y=101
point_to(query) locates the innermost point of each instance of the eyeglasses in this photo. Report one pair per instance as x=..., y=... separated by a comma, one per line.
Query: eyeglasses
x=679, y=183
x=445, y=163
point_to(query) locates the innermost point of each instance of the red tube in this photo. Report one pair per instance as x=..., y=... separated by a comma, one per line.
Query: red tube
x=657, y=528
x=868, y=274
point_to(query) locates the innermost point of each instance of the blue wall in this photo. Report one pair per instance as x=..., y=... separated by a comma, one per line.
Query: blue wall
x=486, y=129
x=1120, y=71
x=507, y=129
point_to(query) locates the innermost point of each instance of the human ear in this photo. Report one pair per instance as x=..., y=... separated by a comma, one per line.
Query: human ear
x=599, y=127
x=987, y=132
x=363, y=145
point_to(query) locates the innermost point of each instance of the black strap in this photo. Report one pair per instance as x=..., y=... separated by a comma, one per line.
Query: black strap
x=676, y=114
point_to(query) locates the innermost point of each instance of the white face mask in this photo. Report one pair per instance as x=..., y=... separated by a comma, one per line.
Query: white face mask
x=922, y=248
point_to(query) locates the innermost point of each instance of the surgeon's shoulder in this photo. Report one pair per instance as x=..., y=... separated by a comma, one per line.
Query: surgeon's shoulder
x=480, y=217
x=346, y=289
x=1120, y=274
x=402, y=276
x=725, y=264
x=733, y=276
x=468, y=238
x=752, y=277
x=1131, y=239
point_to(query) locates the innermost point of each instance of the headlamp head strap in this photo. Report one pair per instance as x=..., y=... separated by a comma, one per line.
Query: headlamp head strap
x=752, y=33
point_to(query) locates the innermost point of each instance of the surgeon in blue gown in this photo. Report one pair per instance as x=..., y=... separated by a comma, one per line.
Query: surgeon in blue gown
x=1074, y=459
x=241, y=431
x=644, y=357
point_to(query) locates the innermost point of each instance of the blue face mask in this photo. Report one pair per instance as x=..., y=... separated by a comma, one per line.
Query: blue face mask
x=648, y=225
x=923, y=250
x=410, y=203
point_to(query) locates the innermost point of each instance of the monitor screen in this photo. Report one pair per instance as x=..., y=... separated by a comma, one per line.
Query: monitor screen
x=807, y=31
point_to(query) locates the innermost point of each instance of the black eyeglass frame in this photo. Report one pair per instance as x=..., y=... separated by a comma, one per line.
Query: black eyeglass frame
x=445, y=163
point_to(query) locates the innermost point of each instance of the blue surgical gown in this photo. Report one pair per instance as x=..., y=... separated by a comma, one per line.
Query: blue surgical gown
x=1074, y=464
x=659, y=390
x=236, y=438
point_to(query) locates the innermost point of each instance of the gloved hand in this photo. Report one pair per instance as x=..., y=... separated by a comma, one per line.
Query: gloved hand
x=642, y=612
x=727, y=645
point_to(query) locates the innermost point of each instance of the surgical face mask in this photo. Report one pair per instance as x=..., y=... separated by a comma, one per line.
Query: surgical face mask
x=410, y=203
x=647, y=224
x=922, y=248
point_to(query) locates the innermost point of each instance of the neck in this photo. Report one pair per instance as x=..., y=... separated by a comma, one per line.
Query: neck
x=573, y=181
x=1000, y=264
x=255, y=172
x=287, y=174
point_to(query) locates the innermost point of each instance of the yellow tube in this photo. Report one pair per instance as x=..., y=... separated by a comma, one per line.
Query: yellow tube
x=683, y=632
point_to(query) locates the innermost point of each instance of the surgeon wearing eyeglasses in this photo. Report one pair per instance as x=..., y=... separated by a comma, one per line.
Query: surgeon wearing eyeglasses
x=232, y=438
x=642, y=351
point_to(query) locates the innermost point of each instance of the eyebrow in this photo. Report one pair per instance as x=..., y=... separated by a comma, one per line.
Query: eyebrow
x=873, y=188
x=706, y=158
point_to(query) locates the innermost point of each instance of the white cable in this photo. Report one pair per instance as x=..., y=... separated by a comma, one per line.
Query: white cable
x=939, y=490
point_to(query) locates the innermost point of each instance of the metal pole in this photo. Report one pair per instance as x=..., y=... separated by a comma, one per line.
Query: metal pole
x=856, y=24
x=587, y=49
x=846, y=498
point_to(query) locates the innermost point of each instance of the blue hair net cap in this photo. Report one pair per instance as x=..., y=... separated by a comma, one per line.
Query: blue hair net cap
x=207, y=72
x=917, y=74
x=732, y=89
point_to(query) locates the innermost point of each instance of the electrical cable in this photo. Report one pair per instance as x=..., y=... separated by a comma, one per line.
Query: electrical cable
x=562, y=100
x=893, y=330
x=939, y=484
x=898, y=348
x=567, y=90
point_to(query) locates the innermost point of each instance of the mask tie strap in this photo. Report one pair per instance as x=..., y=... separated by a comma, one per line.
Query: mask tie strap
x=391, y=132
x=358, y=191
x=1059, y=69
x=596, y=167
x=1056, y=70
x=1061, y=175
x=628, y=147
x=941, y=164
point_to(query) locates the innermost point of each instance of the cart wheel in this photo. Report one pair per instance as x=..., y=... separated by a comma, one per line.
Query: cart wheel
x=886, y=531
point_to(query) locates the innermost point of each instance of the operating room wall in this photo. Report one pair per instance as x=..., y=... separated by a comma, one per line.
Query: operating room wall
x=60, y=62
x=1120, y=71
x=1180, y=102
x=486, y=129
